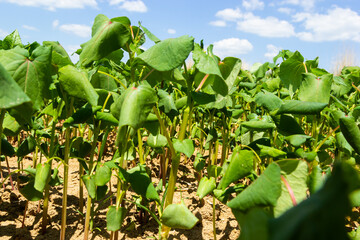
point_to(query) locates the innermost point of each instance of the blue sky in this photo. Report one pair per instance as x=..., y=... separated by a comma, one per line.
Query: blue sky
x=253, y=30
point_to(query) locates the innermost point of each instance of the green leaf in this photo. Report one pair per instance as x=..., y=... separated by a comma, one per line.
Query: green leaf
x=265, y=191
x=297, y=139
x=102, y=175
x=10, y=126
x=108, y=35
x=295, y=173
x=76, y=83
x=300, y=107
x=258, y=125
x=31, y=72
x=26, y=147
x=150, y=35
x=315, y=89
x=90, y=185
x=241, y=164
x=60, y=57
x=205, y=63
x=157, y=141
x=312, y=219
x=141, y=183
x=102, y=81
x=12, y=40
x=30, y=193
x=268, y=100
x=185, y=146
x=168, y=54
x=55, y=179
x=351, y=132
x=291, y=71
x=135, y=105
x=287, y=125
x=206, y=186
x=42, y=177
x=214, y=171
x=167, y=103
x=178, y=216
x=266, y=151
x=101, y=192
x=230, y=68
x=307, y=155
x=253, y=224
x=108, y=118
x=11, y=94
x=80, y=116
x=316, y=180
x=6, y=148
x=115, y=218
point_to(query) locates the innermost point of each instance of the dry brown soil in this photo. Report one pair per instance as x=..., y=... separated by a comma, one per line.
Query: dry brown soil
x=13, y=204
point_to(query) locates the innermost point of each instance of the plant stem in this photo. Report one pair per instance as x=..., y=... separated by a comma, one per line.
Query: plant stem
x=51, y=154
x=175, y=162
x=183, y=126
x=314, y=132
x=91, y=169
x=141, y=151
x=2, y=116
x=81, y=190
x=66, y=172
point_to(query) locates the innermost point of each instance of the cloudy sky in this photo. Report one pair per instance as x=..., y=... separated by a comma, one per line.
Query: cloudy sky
x=253, y=30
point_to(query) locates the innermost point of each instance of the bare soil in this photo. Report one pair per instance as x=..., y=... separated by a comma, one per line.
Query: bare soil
x=13, y=206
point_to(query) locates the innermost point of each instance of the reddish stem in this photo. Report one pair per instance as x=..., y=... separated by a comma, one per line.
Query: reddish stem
x=202, y=83
x=8, y=167
x=292, y=196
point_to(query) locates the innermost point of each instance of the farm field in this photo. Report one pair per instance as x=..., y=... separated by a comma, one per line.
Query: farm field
x=130, y=143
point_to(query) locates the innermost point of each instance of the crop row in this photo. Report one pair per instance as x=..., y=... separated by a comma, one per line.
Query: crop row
x=278, y=144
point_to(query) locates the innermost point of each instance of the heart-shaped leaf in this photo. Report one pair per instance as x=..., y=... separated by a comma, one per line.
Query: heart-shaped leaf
x=115, y=218
x=178, y=216
x=265, y=191
x=76, y=83
x=42, y=177
x=108, y=35
x=169, y=53
x=102, y=175
x=11, y=95
x=206, y=186
x=241, y=164
x=185, y=146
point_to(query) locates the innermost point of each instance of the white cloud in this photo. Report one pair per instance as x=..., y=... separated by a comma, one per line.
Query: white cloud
x=251, y=5
x=77, y=29
x=171, y=31
x=336, y=24
x=54, y=4
x=55, y=23
x=218, y=23
x=232, y=47
x=248, y=22
x=229, y=14
x=272, y=51
x=130, y=5
x=265, y=27
x=31, y=28
x=3, y=34
x=306, y=4
x=115, y=2
x=287, y=11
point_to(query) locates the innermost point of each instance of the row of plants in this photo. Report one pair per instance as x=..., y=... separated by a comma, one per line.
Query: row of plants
x=278, y=144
